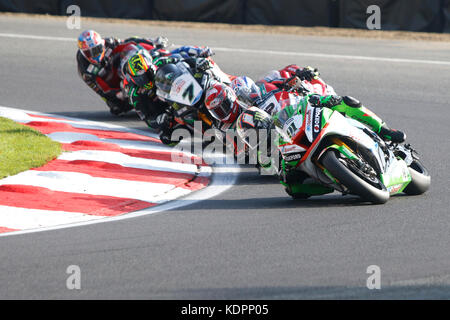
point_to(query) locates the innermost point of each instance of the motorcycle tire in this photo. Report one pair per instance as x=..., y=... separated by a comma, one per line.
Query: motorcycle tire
x=353, y=182
x=420, y=179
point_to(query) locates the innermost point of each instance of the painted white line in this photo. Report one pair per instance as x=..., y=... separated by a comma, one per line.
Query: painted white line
x=128, y=161
x=332, y=56
x=76, y=182
x=22, y=219
x=50, y=220
x=69, y=137
x=259, y=51
x=35, y=37
x=219, y=184
x=23, y=117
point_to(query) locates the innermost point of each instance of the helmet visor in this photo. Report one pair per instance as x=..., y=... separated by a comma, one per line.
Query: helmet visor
x=93, y=53
x=222, y=110
x=141, y=80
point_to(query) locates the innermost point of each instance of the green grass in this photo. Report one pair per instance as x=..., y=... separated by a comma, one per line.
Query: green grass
x=22, y=148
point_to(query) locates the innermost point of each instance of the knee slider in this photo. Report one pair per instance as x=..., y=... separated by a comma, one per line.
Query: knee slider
x=352, y=102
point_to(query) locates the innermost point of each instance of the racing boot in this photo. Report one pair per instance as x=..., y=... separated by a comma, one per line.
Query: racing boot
x=393, y=135
x=353, y=108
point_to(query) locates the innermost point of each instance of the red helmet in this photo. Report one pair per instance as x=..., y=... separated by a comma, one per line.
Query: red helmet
x=222, y=103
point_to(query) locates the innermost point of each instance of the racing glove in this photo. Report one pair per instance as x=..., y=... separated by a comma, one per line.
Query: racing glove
x=324, y=102
x=307, y=73
x=292, y=83
x=163, y=121
x=160, y=42
x=206, y=52
x=203, y=64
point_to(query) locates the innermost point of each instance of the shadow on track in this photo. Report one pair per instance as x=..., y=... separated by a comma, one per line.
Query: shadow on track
x=283, y=202
x=99, y=116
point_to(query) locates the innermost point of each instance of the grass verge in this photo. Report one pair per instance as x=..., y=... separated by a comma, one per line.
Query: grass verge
x=22, y=148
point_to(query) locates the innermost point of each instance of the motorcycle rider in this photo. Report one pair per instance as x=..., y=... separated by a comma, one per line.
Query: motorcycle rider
x=225, y=103
x=281, y=79
x=139, y=84
x=280, y=85
x=98, y=61
x=297, y=183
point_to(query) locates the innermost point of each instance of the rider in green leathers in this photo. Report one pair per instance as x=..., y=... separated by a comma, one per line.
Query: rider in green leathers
x=297, y=183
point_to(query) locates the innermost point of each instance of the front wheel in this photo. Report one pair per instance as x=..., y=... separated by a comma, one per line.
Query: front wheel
x=420, y=179
x=367, y=187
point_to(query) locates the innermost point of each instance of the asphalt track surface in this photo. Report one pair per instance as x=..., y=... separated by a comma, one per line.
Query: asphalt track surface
x=253, y=241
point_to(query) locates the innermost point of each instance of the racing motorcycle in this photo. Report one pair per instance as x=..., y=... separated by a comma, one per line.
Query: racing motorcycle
x=270, y=98
x=342, y=154
x=182, y=87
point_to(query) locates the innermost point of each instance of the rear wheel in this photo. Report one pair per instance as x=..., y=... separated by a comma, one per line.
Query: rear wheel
x=420, y=179
x=360, y=182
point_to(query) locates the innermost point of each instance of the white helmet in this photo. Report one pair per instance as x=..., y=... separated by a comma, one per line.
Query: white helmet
x=246, y=90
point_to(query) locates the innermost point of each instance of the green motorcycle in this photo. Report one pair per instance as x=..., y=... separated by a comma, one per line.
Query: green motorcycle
x=341, y=154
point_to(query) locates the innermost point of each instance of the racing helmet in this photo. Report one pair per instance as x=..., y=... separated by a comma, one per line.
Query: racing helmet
x=222, y=103
x=92, y=46
x=250, y=124
x=140, y=70
x=246, y=90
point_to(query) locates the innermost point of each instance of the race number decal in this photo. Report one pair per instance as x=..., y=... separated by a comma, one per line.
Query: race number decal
x=189, y=92
x=270, y=105
x=185, y=90
x=293, y=125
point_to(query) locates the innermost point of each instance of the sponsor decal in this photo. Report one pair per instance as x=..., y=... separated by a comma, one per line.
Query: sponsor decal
x=269, y=104
x=92, y=69
x=395, y=188
x=108, y=52
x=317, y=118
x=262, y=89
x=291, y=148
x=308, y=120
x=178, y=85
x=247, y=118
x=293, y=157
